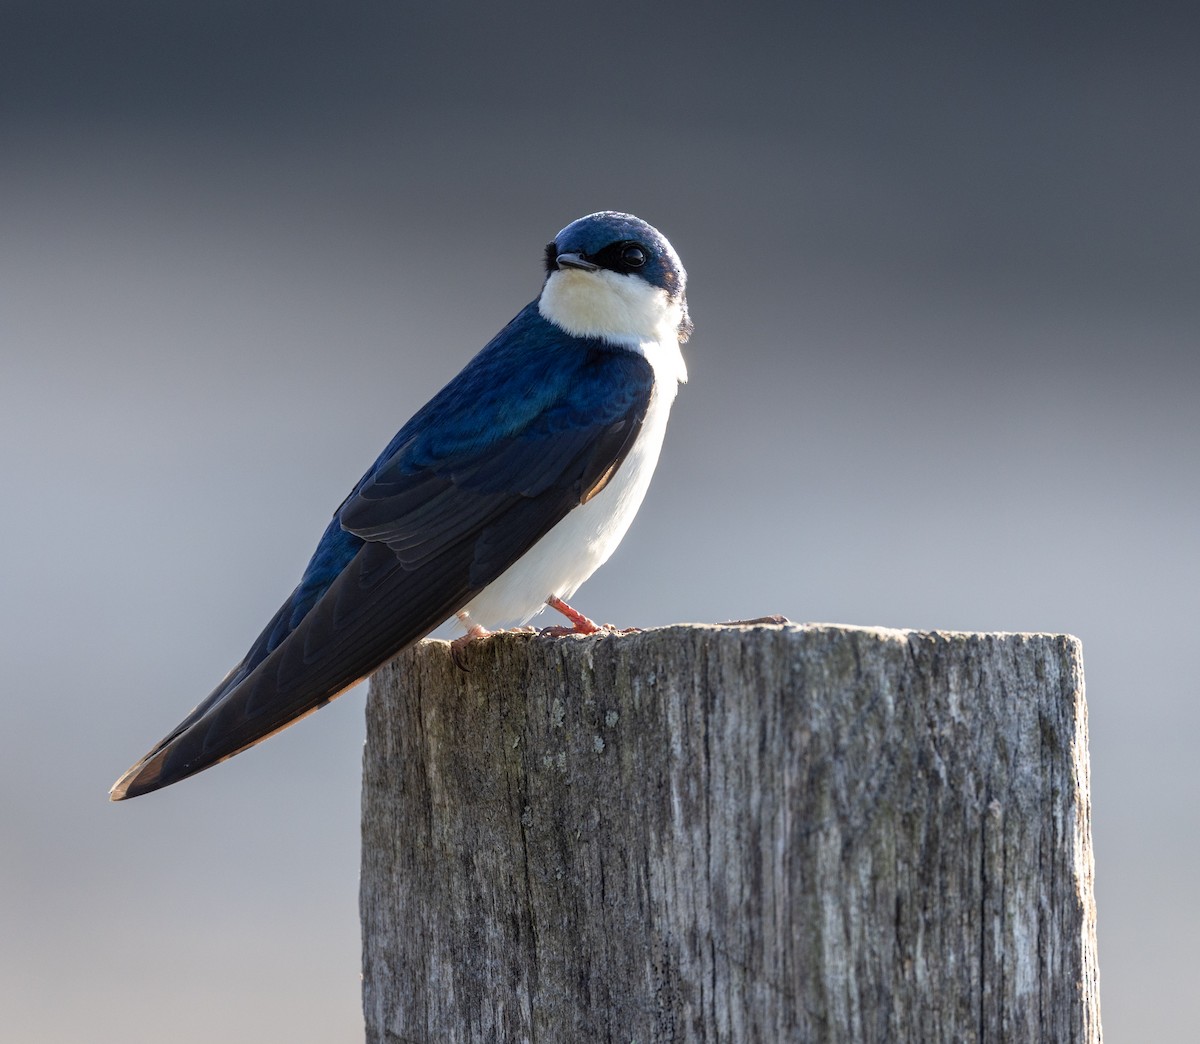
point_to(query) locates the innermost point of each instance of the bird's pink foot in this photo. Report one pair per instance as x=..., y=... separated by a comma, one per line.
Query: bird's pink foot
x=580, y=624
x=458, y=647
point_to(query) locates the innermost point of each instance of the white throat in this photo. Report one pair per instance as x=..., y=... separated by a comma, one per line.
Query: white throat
x=626, y=311
x=620, y=309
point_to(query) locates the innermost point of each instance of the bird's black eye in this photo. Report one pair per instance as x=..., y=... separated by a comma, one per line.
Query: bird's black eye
x=633, y=256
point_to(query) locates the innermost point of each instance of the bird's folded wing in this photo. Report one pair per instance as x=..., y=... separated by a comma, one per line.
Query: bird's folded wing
x=438, y=526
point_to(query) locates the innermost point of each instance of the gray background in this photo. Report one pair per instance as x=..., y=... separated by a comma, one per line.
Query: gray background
x=944, y=276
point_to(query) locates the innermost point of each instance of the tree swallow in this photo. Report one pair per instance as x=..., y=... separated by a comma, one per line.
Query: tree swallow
x=501, y=496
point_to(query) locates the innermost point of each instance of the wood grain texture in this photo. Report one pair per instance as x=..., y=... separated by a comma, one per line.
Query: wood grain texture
x=766, y=833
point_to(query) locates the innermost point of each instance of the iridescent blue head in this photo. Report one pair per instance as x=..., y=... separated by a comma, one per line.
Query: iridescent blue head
x=634, y=263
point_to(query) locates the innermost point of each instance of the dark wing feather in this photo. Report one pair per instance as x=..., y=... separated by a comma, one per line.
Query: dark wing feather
x=420, y=536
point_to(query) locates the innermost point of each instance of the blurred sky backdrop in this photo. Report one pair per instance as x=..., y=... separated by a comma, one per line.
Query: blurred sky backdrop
x=944, y=271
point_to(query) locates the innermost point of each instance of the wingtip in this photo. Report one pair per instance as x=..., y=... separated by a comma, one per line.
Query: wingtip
x=123, y=787
x=144, y=777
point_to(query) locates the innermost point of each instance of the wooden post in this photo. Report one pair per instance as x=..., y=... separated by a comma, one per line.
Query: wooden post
x=761, y=833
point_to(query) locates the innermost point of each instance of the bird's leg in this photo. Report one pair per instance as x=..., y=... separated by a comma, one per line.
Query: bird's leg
x=459, y=646
x=580, y=624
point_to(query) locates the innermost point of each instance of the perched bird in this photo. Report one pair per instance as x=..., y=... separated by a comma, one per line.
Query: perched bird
x=501, y=496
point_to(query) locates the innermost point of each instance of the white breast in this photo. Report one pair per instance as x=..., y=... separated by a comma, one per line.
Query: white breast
x=623, y=310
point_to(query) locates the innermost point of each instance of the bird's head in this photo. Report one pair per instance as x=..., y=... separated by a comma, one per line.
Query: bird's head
x=613, y=276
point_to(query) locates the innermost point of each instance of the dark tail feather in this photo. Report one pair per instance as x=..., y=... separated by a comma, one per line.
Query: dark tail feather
x=373, y=610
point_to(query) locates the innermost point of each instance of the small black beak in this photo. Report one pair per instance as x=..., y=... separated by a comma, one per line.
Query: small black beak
x=575, y=261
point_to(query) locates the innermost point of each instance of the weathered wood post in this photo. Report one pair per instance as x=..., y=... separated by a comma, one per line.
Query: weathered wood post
x=767, y=833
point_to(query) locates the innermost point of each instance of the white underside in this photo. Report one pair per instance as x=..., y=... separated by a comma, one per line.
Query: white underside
x=582, y=542
x=647, y=322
